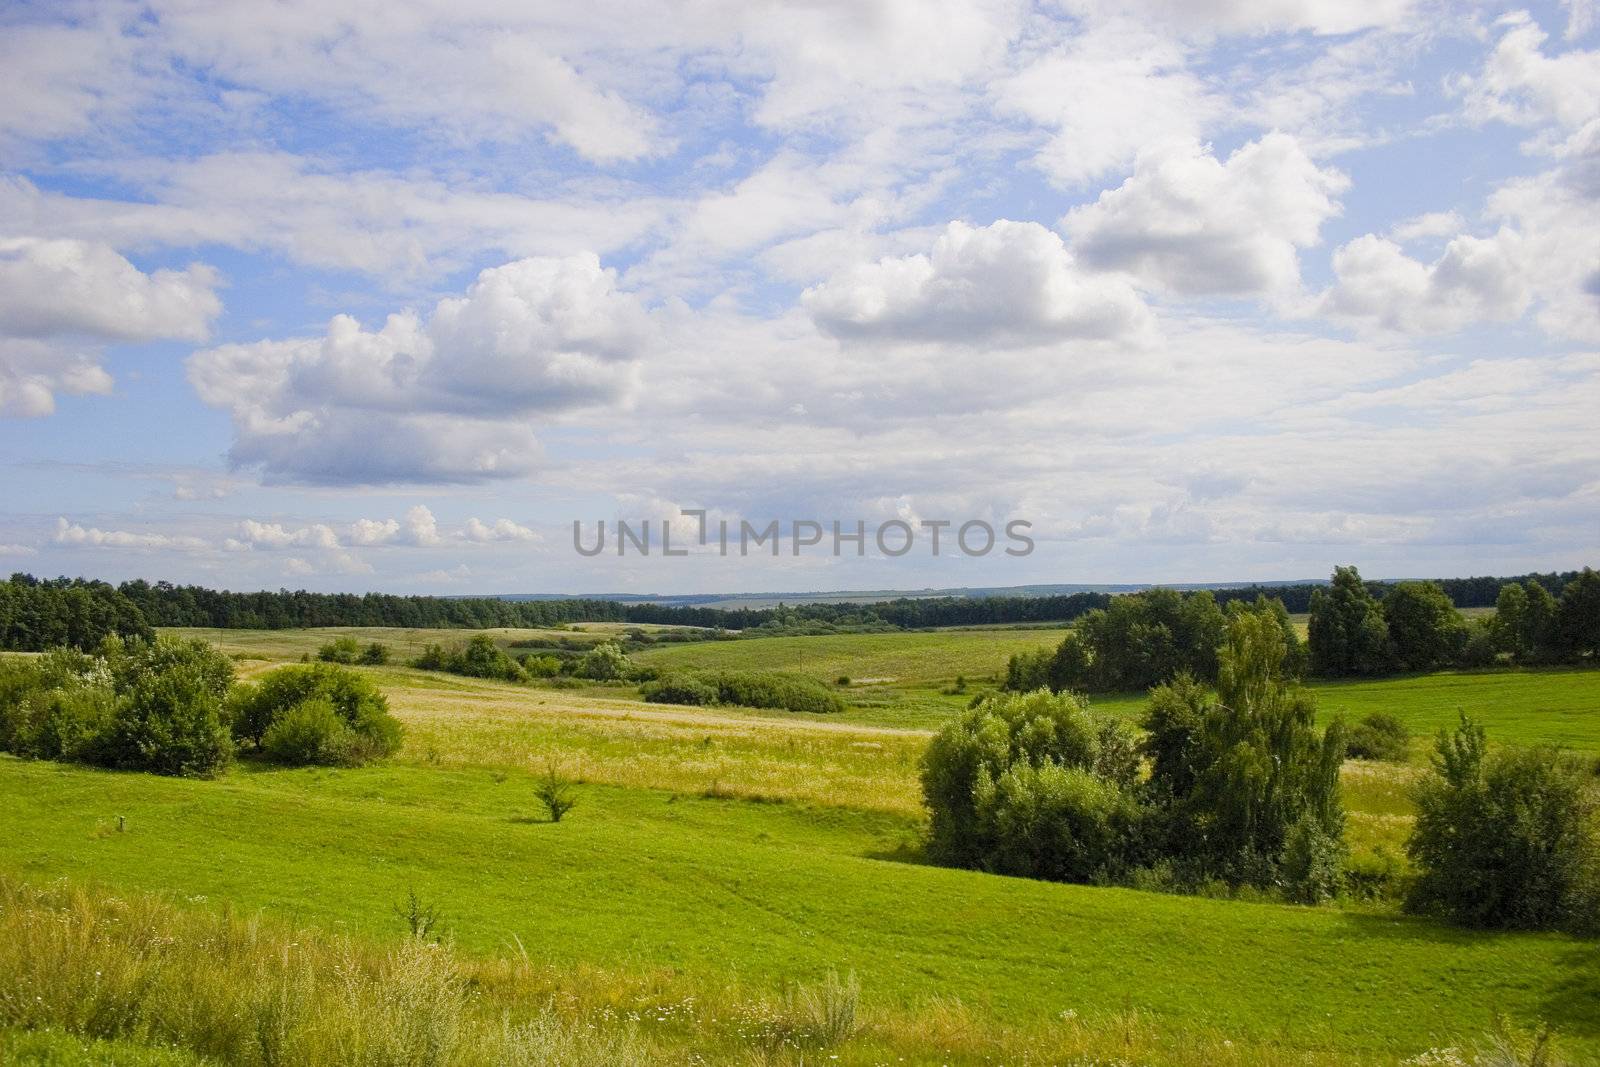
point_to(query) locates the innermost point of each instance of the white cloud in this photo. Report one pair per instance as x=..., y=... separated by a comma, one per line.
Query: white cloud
x=500, y=530
x=493, y=74
x=1429, y=224
x=61, y=299
x=377, y=222
x=272, y=535
x=1188, y=223
x=1557, y=214
x=1006, y=283
x=1521, y=84
x=1474, y=280
x=1106, y=93
x=77, y=288
x=1259, y=16
x=421, y=529
x=446, y=399
x=18, y=550
x=76, y=535
x=373, y=532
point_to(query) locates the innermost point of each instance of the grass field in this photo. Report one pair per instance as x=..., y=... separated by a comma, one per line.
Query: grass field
x=727, y=854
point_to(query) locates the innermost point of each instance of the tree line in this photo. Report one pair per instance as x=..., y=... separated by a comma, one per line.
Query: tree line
x=1142, y=640
x=36, y=614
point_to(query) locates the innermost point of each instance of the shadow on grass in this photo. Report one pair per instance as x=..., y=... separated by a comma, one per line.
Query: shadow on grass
x=1572, y=1005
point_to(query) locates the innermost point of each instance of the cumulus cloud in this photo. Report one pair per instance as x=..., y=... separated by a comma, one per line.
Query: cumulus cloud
x=76, y=535
x=1520, y=83
x=446, y=398
x=1189, y=223
x=1105, y=93
x=1476, y=279
x=374, y=532
x=499, y=530
x=1007, y=283
x=1557, y=214
x=272, y=535
x=61, y=300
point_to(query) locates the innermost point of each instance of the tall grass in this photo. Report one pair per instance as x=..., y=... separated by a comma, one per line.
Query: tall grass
x=96, y=977
x=238, y=991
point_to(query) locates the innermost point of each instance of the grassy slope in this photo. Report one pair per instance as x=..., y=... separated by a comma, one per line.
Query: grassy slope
x=1556, y=706
x=719, y=889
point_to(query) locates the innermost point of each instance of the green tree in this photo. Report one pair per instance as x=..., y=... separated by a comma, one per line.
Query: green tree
x=1578, y=616
x=1510, y=625
x=1425, y=629
x=1504, y=839
x=1347, y=633
x=1237, y=776
x=1539, y=624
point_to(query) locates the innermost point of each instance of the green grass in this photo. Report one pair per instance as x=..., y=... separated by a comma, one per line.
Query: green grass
x=725, y=891
x=1552, y=706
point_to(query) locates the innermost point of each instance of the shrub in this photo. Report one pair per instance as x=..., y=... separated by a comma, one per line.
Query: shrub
x=1313, y=863
x=170, y=721
x=1379, y=736
x=375, y=654
x=679, y=689
x=480, y=657
x=1066, y=824
x=370, y=732
x=604, y=663
x=309, y=732
x=773, y=689
x=345, y=650
x=130, y=662
x=1504, y=839
x=750, y=689
x=554, y=791
x=541, y=666
x=73, y=724
x=965, y=761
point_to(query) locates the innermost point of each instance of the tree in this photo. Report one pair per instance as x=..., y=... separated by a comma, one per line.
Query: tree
x=1578, y=616
x=1425, y=630
x=1510, y=625
x=1347, y=633
x=1504, y=839
x=1238, y=778
x=1539, y=625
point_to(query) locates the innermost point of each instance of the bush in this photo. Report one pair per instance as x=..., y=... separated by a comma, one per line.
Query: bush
x=369, y=731
x=375, y=654
x=131, y=661
x=1066, y=824
x=750, y=689
x=170, y=721
x=677, y=689
x=541, y=666
x=604, y=663
x=1379, y=736
x=345, y=650
x=480, y=657
x=309, y=732
x=984, y=816
x=1504, y=839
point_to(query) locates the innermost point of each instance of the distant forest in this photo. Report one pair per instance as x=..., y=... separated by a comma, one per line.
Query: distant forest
x=42, y=613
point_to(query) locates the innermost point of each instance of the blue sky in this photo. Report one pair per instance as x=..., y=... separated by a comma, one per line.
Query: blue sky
x=355, y=296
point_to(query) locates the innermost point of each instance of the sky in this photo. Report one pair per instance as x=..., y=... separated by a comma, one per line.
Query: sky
x=346, y=295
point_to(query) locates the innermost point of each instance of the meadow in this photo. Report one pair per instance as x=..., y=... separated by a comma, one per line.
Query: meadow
x=729, y=859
